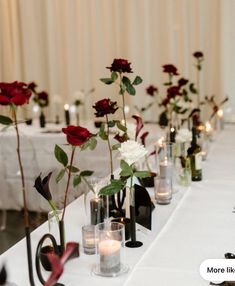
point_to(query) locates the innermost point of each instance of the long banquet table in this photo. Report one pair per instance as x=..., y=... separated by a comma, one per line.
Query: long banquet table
x=197, y=225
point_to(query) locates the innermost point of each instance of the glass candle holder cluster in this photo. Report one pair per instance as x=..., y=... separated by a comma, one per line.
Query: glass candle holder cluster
x=110, y=249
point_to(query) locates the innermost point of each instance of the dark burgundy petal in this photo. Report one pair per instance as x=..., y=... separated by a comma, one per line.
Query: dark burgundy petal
x=139, y=125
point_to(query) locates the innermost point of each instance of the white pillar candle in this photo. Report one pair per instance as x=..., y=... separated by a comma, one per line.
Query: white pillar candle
x=166, y=169
x=109, y=256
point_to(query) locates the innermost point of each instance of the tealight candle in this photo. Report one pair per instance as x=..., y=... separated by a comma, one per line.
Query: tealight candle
x=220, y=114
x=88, y=239
x=67, y=115
x=127, y=223
x=110, y=256
x=166, y=169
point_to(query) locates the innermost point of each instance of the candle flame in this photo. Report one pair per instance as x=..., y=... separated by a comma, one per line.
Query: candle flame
x=220, y=113
x=66, y=107
x=208, y=126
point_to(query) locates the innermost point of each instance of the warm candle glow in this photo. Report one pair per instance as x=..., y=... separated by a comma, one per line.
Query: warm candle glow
x=172, y=129
x=160, y=141
x=35, y=108
x=220, y=113
x=208, y=126
x=126, y=109
x=66, y=107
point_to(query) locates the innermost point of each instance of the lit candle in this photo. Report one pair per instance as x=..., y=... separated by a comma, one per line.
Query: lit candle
x=109, y=256
x=97, y=210
x=88, y=239
x=166, y=169
x=220, y=114
x=67, y=116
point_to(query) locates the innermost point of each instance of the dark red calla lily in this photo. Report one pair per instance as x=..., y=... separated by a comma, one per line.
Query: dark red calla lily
x=57, y=263
x=42, y=186
x=143, y=137
x=139, y=125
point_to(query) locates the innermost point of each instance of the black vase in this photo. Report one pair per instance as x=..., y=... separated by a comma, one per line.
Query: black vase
x=42, y=120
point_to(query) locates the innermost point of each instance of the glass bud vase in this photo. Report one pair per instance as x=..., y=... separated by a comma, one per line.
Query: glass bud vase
x=42, y=119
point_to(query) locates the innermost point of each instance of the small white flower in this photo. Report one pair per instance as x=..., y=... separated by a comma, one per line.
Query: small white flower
x=183, y=135
x=131, y=151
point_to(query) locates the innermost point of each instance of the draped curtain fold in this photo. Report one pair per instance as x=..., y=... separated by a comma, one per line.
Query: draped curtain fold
x=65, y=46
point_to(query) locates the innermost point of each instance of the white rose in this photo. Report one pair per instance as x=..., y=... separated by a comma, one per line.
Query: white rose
x=183, y=135
x=131, y=151
x=131, y=130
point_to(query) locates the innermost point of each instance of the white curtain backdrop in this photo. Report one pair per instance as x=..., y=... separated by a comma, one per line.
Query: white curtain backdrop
x=66, y=45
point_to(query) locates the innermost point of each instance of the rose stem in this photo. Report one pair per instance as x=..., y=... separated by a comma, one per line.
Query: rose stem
x=26, y=216
x=110, y=149
x=68, y=181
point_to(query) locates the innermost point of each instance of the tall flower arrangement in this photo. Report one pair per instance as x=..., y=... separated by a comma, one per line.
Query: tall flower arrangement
x=16, y=94
x=118, y=68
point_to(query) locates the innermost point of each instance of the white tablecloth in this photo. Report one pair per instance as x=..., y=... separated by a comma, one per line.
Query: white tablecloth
x=197, y=225
x=37, y=151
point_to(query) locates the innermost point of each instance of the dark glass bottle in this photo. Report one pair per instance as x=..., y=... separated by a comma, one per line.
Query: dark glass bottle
x=194, y=153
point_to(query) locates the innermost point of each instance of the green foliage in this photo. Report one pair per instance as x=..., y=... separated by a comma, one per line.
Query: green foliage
x=73, y=169
x=116, y=146
x=102, y=133
x=5, y=120
x=142, y=174
x=126, y=169
x=107, y=80
x=129, y=87
x=61, y=156
x=192, y=88
x=137, y=80
x=114, y=76
x=114, y=187
x=76, y=180
x=60, y=175
x=91, y=144
x=86, y=173
x=120, y=126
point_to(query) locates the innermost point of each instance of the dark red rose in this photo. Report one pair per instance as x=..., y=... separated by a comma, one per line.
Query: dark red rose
x=173, y=91
x=120, y=65
x=77, y=135
x=151, y=90
x=182, y=81
x=139, y=125
x=32, y=86
x=104, y=107
x=170, y=69
x=15, y=92
x=198, y=55
x=43, y=95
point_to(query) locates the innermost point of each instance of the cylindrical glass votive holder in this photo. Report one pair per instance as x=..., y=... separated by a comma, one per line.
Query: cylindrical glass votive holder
x=97, y=210
x=88, y=239
x=127, y=225
x=110, y=249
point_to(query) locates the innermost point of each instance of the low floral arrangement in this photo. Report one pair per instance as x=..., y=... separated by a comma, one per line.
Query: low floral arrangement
x=41, y=98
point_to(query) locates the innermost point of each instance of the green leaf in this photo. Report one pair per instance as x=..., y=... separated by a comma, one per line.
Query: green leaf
x=107, y=80
x=86, y=173
x=103, y=135
x=126, y=169
x=122, y=88
x=111, y=123
x=129, y=87
x=192, y=88
x=73, y=169
x=113, y=188
x=142, y=174
x=60, y=175
x=92, y=143
x=137, y=80
x=116, y=146
x=5, y=120
x=120, y=126
x=76, y=180
x=60, y=155
x=114, y=76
